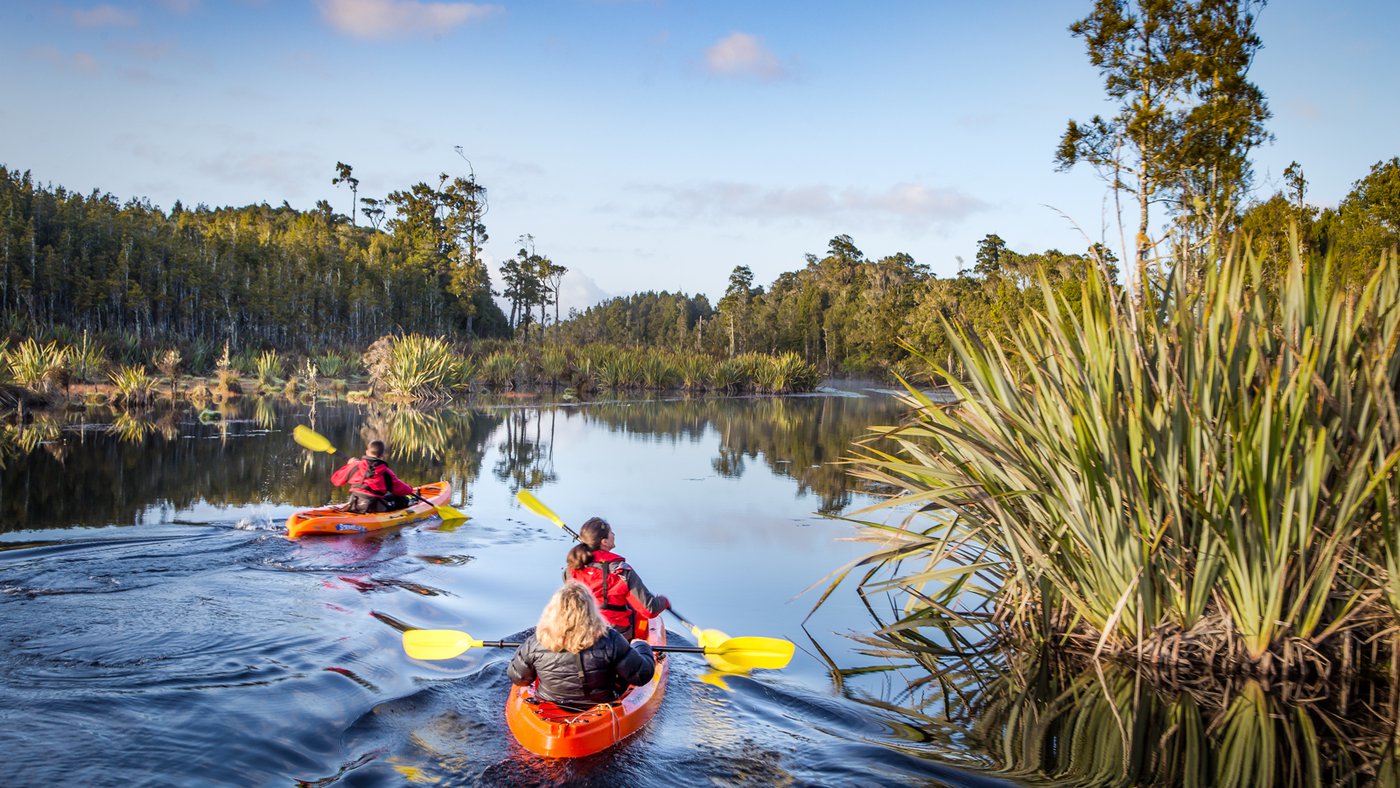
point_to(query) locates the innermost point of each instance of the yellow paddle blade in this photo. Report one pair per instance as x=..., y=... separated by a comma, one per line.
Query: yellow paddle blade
x=437, y=643
x=754, y=652
x=311, y=439
x=450, y=515
x=535, y=505
x=711, y=638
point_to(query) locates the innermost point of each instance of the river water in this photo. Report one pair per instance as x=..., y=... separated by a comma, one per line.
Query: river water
x=159, y=629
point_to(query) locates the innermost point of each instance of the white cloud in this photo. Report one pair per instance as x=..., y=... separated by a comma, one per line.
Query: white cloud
x=102, y=16
x=389, y=18
x=743, y=55
x=909, y=203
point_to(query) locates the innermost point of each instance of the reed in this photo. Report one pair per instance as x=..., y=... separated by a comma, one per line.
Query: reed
x=1202, y=476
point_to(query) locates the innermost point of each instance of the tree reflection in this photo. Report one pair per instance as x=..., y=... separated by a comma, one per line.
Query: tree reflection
x=527, y=457
x=230, y=457
x=801, y=438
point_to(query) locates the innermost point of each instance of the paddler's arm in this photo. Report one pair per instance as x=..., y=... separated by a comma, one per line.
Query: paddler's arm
x=640, y=597
x=341, y=476
x=521, y=669
x=638, y=665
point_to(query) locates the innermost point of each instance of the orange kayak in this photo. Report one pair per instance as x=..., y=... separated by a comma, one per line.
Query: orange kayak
x=332, y=520
x=546, y=729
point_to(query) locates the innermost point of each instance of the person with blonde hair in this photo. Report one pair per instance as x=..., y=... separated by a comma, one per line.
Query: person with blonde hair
x=577, y=658
x=616, y=586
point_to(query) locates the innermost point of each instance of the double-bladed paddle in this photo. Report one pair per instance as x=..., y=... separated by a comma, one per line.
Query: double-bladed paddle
x=747, y=653
x=315, y=441
x=709, y=639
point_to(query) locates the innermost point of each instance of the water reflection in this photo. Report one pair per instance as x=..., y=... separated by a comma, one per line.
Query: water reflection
x=101, y=467
x=1045, y=721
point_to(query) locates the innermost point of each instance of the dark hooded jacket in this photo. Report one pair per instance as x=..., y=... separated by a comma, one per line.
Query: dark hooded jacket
x=598, y=674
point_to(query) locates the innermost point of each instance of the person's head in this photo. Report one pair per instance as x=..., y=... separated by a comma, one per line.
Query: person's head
x=594, y=532
x=570, y=621
x=595, y=535
x=375, y=449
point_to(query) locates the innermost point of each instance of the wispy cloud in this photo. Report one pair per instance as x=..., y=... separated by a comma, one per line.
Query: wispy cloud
x=908, y=203
x=392, y=18
x=101, y=16
x=743, y=55
x=76, y=61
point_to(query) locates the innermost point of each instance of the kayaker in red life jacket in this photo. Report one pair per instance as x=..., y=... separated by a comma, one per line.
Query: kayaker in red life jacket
x=578, y=659
x=373, y=486
x=619, y=592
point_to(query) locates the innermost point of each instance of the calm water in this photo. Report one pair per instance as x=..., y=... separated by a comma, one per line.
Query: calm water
x=159, y=630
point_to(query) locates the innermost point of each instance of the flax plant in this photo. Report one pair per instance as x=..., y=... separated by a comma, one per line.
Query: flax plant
x=1204, y=474
x=421, y=366
x=133, y=384
x=267, y=366
x=35, y=366
x=500, y=369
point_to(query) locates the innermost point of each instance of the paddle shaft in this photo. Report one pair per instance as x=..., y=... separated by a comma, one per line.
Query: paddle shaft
x=675, y=649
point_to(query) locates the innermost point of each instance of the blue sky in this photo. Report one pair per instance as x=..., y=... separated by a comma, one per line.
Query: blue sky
x=649, y=145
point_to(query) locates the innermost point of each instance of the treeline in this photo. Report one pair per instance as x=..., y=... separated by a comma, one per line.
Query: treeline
x=254, y=276
x=850, y=313
x=843, y=311
x=308, y=281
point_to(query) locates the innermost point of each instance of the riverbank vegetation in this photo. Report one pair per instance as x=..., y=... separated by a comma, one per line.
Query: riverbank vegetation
x=1202, y=476
x=89, y=271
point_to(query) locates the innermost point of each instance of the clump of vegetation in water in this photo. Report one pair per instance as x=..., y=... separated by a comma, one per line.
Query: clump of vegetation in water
x=413, y=366
x=40, y=368
x=134, y=385
x=1204, y=475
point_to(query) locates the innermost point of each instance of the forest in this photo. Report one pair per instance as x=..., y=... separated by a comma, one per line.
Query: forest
x=141, y=278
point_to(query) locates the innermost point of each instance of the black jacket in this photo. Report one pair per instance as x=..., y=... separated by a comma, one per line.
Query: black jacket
x=598, y=674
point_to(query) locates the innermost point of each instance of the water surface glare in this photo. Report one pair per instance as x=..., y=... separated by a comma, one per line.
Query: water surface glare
x=160, y=630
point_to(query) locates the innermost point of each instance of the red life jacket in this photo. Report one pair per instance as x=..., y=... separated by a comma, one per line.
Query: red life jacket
x=371, y=477
x=606, y=577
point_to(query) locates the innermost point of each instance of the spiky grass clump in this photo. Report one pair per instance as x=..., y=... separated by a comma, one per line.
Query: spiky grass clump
x=421, y=367
x=87, y=360
x=267, y=368
x=1205, y=475
x=554, y=365
x=500, y=369
x=134, y=385
x=693, y=371
x=333, y=365
x=36, y=367
x=657, y=372
x=785, y=374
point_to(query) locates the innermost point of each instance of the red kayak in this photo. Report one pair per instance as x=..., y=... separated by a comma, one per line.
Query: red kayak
x=333, y=520
x=546, y=729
